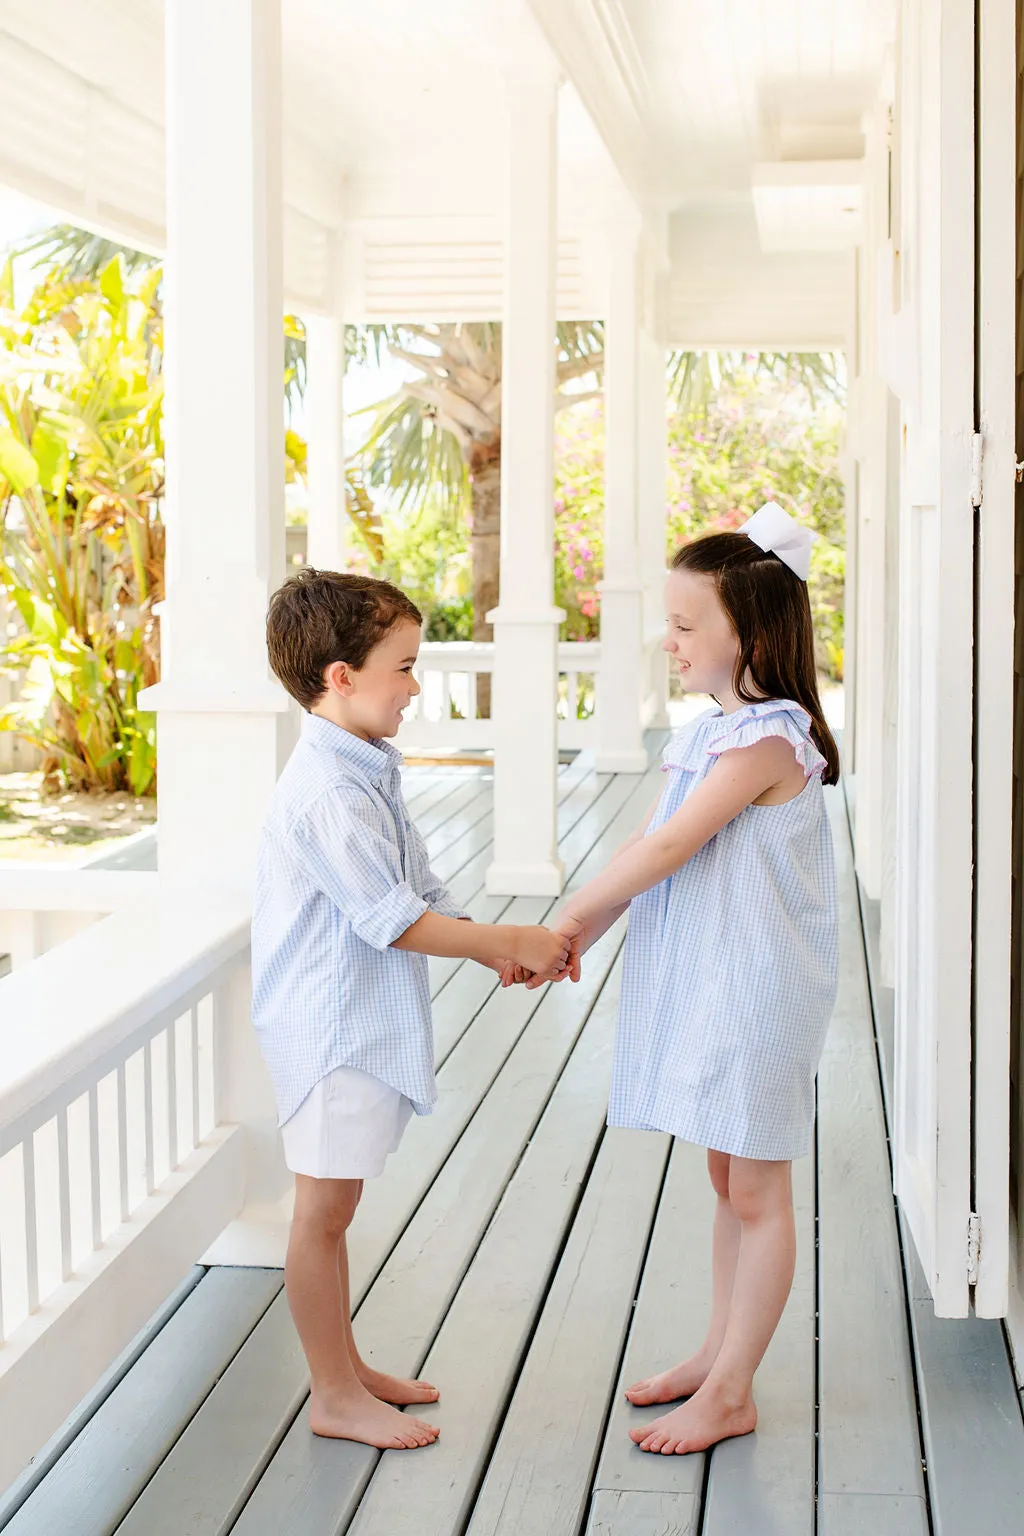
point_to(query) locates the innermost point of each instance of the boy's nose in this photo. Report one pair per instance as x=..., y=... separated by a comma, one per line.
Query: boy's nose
x=414, y=687
x=668, y=644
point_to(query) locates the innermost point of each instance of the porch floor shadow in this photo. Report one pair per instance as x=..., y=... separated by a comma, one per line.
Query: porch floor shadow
x=532, y=1262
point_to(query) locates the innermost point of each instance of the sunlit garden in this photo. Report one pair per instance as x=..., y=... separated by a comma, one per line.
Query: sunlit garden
x=81, y=503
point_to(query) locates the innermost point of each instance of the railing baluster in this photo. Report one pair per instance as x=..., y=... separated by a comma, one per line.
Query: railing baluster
x=122, y=1141
x=446, y=695
x=471, y=706
x=172, y=1095
x=572, y=695
x=64, y=1193
x=95, y=1193
x=28, y=1156
x=195, y=1073
x=147, y=1112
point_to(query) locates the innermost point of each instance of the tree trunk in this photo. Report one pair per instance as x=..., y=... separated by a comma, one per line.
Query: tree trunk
x=485, y=547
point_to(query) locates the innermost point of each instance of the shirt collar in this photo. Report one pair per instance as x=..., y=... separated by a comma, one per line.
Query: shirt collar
x=374, y=759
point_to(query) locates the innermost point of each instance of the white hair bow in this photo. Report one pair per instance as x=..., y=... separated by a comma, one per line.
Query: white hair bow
x=774, y=531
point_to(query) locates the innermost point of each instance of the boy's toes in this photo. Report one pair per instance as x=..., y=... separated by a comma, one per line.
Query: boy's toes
x=640, y=1393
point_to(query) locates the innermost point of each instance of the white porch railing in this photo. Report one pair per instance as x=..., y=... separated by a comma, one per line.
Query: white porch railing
x=115, y=1171
x=445, y=713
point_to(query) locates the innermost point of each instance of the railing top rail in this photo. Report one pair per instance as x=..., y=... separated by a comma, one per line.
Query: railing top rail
x=35, y=888
x=478, y=655
x=69, y=1010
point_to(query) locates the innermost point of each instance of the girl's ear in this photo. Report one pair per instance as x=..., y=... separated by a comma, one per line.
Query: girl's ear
x=338, y=678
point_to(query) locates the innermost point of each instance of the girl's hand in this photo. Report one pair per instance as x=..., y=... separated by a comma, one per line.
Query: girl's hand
x=574, y=931
x=539, y=950
x=575, y=935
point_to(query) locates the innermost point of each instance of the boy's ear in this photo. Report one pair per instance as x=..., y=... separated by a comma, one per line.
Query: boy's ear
x=338, y=678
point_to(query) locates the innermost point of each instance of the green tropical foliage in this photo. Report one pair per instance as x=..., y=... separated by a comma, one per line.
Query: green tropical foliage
x=81, y=475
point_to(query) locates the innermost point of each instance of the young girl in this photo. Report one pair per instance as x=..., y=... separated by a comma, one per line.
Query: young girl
x=731, y=955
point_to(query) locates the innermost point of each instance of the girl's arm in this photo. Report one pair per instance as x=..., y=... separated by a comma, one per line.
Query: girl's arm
x=738, y=778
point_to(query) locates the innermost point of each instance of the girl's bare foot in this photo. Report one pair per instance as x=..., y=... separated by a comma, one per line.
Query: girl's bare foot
x=668, y=1386
x=360, y=1416
x=396, y=1389
x=707, y=1418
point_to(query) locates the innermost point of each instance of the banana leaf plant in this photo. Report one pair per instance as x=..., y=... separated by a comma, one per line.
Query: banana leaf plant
x=82, y=551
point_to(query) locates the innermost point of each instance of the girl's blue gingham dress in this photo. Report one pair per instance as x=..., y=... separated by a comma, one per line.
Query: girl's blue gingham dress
x=731, y=963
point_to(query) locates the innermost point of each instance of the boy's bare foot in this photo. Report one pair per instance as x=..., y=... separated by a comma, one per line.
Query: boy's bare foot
x=668, y=1386
x=365, y=1418
x=396, y=1389
x=702, y=1422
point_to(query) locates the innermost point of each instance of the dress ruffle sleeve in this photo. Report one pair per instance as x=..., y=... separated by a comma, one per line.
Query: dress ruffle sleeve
x=757, y=722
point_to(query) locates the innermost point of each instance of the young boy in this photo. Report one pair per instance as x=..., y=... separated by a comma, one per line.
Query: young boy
x=346, y=910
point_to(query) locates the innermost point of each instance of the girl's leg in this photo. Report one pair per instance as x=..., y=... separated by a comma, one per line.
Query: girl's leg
x=684, y=1380
x=761, y=1195
x=339, y=1405
x=390, y=1389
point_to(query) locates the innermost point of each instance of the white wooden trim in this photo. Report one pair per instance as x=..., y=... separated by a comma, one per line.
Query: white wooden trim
x=995, y=640
x=57, y=1355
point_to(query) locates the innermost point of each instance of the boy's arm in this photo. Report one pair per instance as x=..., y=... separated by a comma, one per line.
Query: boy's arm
x=490, y=943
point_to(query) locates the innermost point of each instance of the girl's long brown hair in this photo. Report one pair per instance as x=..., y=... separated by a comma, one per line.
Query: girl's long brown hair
x=769, y=609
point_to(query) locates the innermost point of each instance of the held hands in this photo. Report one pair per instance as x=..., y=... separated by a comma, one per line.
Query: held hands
x=571, y=931
x=538, y=951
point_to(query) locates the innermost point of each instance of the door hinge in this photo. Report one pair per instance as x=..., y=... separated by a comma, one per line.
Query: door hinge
x=976, y=443
x=973, y=1247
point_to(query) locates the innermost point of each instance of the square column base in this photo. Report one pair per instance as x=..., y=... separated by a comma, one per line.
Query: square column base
x=546, y=879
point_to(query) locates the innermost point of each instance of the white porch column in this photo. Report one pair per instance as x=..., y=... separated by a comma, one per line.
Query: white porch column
x=325, y=418
x=526, y=621
x=622, y=689
x=653, y=515
x=224, y=725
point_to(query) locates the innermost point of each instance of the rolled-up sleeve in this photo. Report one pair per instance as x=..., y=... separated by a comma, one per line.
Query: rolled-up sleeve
x=341, y=842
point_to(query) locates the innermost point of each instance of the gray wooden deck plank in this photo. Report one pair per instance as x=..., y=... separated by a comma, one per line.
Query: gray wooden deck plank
x=459, y=800
x=47, y=1458
x=312, y=1488
x=970, y=1410
x=765, y=1481
x=205, y=1481
x=631, y=1513
x=971, y=1417
x=668, y=1324
x=872, y=1514
x=539, y=1474
x=105, y=1468
x=869, y=1439
x=458, y=819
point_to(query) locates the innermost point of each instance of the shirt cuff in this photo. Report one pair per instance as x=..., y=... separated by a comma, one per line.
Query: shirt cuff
x=382, y=924
x=445, y=907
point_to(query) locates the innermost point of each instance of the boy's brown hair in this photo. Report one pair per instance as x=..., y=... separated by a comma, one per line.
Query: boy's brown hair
x=318, y=617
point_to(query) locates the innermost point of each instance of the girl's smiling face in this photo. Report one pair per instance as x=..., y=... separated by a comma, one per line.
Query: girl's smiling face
x=700, y=636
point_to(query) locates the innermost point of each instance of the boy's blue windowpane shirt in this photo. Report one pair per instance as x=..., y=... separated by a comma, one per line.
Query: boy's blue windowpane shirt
x=341, y=874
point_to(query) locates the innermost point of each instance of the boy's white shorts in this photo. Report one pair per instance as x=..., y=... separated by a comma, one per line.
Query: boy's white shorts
x=346, y=1127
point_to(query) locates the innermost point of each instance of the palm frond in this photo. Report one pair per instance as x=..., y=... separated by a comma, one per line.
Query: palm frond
x=78, y=253
x=411, y=456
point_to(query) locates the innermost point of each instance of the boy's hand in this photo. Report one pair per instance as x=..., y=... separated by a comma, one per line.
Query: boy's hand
x=539, y=951
x=572, y=931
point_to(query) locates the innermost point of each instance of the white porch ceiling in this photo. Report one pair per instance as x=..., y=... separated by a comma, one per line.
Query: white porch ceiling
x=395, y=129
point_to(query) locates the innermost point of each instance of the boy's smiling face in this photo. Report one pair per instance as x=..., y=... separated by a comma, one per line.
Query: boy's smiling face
x=369, y=700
